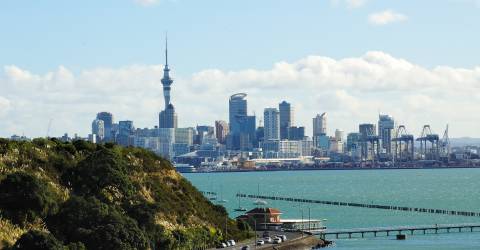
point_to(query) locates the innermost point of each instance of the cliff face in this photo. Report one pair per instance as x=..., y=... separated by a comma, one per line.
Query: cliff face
x=81, y=195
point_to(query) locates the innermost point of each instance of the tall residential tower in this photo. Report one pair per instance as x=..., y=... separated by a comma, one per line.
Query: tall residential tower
x=286, y=118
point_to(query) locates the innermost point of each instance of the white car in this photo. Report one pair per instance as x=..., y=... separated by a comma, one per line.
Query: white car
x=267, y=240
x=260, y=242
x=283, y=237
x=231, y=242
x=277, y=241
x=222, y=245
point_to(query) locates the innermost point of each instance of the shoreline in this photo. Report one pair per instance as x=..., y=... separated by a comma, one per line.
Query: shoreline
x=320, y=169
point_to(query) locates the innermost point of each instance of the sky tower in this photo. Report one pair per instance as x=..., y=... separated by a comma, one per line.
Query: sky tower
x=168, y=117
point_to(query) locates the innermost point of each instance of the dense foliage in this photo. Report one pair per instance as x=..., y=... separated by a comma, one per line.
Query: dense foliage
x=85, y=196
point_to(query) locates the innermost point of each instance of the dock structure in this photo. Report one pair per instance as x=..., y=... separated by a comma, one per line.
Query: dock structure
x=387, y=231
x=361, y=205
x=208, y=193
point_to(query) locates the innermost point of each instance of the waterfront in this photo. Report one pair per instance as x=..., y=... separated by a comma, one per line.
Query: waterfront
x=435, y=188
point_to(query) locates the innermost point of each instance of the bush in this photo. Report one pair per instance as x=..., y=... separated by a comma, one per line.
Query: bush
x=24, y=197
x=39, y=241
x=101, y=174
x=97, y=225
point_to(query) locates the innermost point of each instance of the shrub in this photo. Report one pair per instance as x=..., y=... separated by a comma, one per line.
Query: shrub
x=24, y=197
x=97, y=225
x=37, y=240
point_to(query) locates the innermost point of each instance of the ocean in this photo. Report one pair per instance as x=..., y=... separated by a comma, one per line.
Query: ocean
x=452, y=189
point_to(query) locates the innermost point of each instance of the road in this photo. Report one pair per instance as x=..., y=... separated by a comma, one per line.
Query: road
x=252, y=245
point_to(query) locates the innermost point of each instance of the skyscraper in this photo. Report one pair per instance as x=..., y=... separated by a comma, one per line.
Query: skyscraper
x=385, y=128
x=320, y=125
x=271, y=118
x=107, y=119
x=237, y=108
x=98, y=129
x=286, y=118
x=221, y=131
x=242, y=126
x=125, y=133
x=167, y=117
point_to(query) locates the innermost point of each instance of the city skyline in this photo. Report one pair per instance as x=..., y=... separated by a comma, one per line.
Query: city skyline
x=353, y=83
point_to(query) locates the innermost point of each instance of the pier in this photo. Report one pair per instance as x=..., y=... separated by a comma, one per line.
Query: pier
x=362, y=205
x=387, y=231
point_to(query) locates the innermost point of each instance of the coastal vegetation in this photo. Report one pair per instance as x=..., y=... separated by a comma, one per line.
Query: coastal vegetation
x=79, y=195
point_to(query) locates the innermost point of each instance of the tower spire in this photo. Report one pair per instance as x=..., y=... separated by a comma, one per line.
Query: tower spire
x=166, y=49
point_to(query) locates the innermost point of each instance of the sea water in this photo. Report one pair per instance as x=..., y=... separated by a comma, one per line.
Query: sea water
x=451, y=189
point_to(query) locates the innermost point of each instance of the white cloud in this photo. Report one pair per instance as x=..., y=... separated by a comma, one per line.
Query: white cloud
x=386, y=17
x=352, y=91
x=147, y=2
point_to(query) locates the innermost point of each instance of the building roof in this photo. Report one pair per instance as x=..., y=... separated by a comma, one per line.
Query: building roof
x=261, y=210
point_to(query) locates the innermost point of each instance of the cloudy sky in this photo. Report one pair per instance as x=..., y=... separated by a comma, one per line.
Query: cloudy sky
x=418, y=61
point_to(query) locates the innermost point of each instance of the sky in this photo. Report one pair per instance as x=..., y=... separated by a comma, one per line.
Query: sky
x=64, y=61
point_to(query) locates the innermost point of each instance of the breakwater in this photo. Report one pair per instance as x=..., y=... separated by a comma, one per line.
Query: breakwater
x=363, y=205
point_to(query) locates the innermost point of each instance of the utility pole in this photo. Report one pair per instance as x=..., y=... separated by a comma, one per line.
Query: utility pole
x=255, y=228
x=309, y=220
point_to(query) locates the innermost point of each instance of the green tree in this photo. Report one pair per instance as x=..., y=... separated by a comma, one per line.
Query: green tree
x=102, y=174
x=97, y=225
x=37, y=240
x=24, y=197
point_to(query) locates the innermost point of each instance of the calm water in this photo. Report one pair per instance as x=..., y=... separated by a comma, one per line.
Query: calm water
x=455, y=189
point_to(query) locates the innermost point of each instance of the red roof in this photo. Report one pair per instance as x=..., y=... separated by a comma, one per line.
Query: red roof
x=261, y=210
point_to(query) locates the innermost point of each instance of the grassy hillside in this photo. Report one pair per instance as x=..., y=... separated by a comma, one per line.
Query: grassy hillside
x=56, y=195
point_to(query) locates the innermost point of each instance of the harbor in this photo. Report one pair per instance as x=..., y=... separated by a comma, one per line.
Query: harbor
x=428, y=188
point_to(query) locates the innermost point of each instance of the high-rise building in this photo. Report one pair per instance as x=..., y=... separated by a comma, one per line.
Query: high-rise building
x=242, y=126
x=296, y=133
x=237, y=109
x=202, y=132
x=98, y=129
x=339, y=135
x=221, y=131
x=167, y=139
x=125, y=135
x=184, y=136
x=107, y=119
x=320, y=125
x=286, y=118
x=271, y=118
x=167, y=118
x=353, y=145
x=386, y=125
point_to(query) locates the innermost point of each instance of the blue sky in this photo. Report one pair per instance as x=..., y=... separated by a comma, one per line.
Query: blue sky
x=40, y=35
x=67, y=60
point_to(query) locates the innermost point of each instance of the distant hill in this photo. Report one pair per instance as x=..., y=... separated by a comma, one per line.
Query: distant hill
x=464, y=141
x=56, y=195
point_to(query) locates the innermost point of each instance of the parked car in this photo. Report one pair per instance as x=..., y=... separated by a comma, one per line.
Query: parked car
x=228, y=244
x=231, y=242
x=283, y=237
x=277, y=241
x=222, y=245
x=267, y=240
x=260, y=242
x=245, y=248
